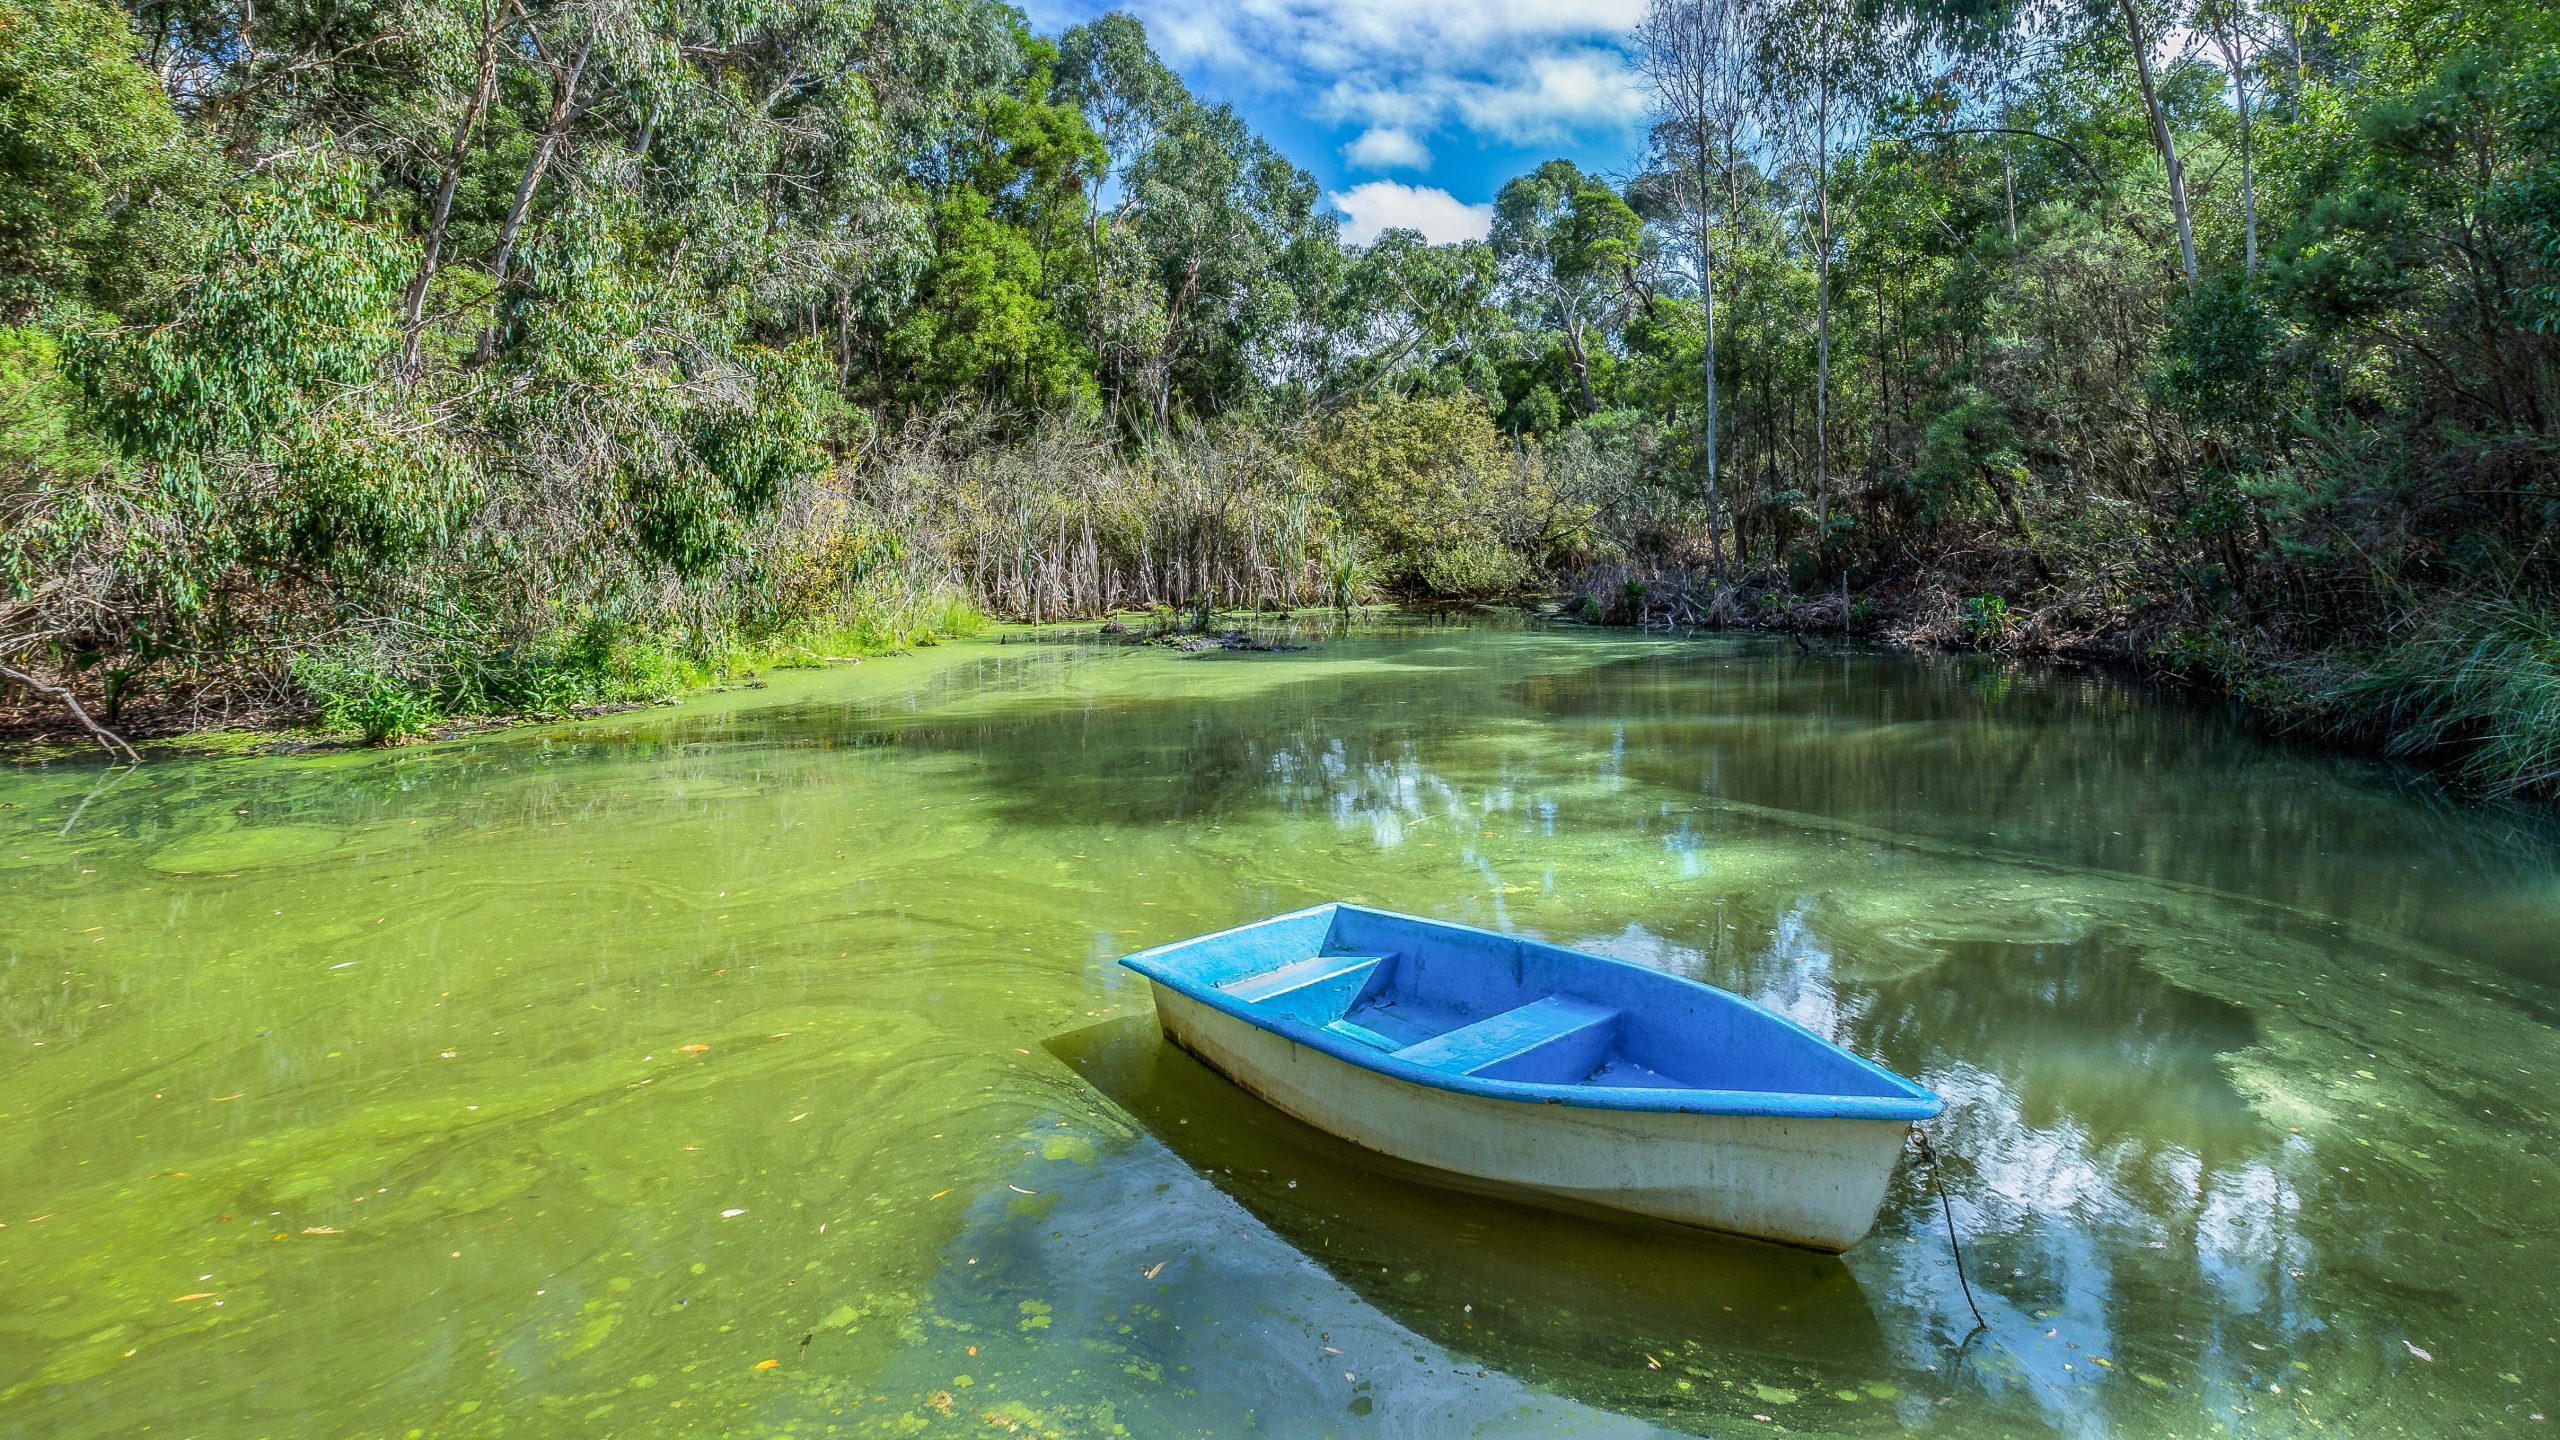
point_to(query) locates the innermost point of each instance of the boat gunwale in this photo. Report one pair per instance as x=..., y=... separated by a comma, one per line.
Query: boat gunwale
x=1912, y=1103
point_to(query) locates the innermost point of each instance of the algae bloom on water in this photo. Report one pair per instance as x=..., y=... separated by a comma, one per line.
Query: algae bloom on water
x=762, y=1065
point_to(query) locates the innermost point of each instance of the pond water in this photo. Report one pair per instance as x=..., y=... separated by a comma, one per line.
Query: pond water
x=759, y=1066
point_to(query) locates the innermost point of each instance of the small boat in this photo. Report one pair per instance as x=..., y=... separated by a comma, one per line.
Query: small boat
x=1564, y=1078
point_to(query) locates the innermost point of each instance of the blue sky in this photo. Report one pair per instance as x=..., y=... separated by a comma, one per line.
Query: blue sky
x=1410, y=112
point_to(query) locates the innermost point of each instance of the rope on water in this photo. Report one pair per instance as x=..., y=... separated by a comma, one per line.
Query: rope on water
x=1937, y=1181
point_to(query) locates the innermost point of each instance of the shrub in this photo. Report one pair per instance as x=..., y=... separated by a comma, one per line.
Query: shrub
x=355, y=695
x=1415, y=478
x=2478, y=677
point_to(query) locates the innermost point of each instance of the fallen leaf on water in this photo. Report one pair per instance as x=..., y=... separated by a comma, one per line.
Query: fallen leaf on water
x=938, y=1194
x=796, y=1119
x=1159, y=1265
x=199, y=1295
x=1018, y=1190
x=767, y=1364
x=731, y=1214
x=2421, y=1354
x=1656, y=1364
x=695, y=1049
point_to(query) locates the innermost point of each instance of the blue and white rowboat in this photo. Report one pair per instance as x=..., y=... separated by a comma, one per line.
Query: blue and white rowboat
x=1566, y=1078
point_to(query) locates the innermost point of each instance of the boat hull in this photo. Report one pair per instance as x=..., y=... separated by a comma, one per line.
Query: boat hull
x=1813, y=1182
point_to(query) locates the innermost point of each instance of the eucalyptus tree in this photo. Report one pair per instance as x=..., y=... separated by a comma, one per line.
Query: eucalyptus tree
x=1567, y=245
x=560, y=45
x=90, y=154
x=2137, y=34
x=1413, y=317
x=1817, y=60
x=1697, y=60
x=491, y=20
x=1219, y=211
x=1107, y=69
x=2238, y=33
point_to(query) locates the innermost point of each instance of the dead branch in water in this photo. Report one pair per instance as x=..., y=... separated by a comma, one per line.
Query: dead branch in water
x=107, y=739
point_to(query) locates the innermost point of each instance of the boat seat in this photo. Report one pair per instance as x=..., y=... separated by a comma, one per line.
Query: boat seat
x=1557, y=1039
x=1318, y=989
x=1362, y=1033
x=1315, y=970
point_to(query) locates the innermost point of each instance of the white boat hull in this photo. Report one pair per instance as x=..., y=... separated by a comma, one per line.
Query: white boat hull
x=1811, y=1182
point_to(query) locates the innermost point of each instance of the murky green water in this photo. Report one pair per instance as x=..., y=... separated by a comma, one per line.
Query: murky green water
x=758, y=1067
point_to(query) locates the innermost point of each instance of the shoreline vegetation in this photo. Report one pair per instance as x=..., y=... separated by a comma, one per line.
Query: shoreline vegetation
x=393, y=367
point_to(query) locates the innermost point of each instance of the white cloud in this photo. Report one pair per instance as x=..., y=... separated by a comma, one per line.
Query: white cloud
x=1563, y=92
x=1518, y=71
x=1457, y=30
x=1385, y=147
x=1382, y=205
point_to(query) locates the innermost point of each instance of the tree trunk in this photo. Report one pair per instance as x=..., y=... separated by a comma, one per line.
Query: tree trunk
x=2009, y=190
x=2248, y=163
x=1581, y=365
x=1160, y=397
x=1707, y=294
x=413, y=306
x=564, y=93
x=1822, y=319
x=2160, y=137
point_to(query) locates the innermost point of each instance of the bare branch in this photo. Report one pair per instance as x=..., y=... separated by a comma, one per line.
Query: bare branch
x=107, y=739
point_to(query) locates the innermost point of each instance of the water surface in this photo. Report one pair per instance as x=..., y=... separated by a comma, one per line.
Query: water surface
x=758, y=1066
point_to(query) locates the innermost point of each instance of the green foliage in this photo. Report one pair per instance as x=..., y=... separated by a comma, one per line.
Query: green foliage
x=982, y=321
x=1988, y=621
x=682, y=340
x=2220, y=353
x=2481, y=678
x=1414, y=478
x=1474, y=567
x=1966, y=455
x=292, y=308
x=357, y=697
x=1346, y=573
x=92, y=159
x=43, y=430
x=256, y=390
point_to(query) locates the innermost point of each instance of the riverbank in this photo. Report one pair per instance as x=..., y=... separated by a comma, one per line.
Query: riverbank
x=2469, y=687
x=2483, y=714
x=33, y=734
x=383, y=713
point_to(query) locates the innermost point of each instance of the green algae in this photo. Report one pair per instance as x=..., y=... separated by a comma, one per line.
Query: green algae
x=229, y=849
x=554, y=1081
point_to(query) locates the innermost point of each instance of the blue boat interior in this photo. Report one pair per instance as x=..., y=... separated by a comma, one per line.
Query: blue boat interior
x=1490, y=1007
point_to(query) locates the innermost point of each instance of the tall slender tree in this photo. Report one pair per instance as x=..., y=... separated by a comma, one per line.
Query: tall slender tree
x=1812, y=58
x=1697, y=61
x=2163, y=138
